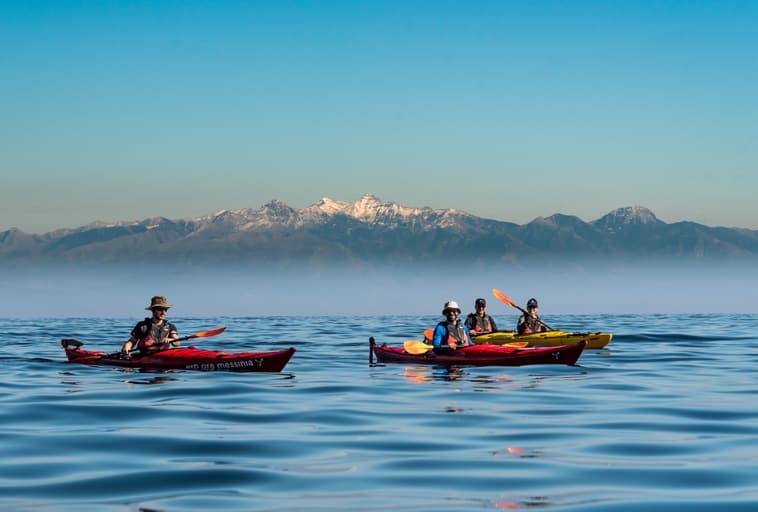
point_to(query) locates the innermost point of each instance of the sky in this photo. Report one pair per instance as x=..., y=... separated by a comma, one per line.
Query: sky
x=508, y=110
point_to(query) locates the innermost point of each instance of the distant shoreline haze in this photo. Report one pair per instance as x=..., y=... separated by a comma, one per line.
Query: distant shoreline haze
x=122, y=291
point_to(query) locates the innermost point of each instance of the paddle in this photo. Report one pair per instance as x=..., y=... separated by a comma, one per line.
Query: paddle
x=202, y=334
x=504, y=298
x=416, y=347
x=419, y=347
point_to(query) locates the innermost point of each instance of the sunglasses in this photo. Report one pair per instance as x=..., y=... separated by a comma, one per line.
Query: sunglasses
x=160, y=309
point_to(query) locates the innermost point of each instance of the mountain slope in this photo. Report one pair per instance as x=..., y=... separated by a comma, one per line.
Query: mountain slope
x=370, y=231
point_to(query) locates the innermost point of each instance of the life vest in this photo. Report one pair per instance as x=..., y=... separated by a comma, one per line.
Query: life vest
x=456, y=334
x=146, y=344
x=151, y=337
x=531, y=324
x=480, y=323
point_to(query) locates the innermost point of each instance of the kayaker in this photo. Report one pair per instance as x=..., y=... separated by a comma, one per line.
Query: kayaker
x=530, y=321
x=155, y=333
x=451, y=333
x=479, y=322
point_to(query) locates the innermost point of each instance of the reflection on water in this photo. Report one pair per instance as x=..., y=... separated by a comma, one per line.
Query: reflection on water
x=152, y=380
x=659, y=420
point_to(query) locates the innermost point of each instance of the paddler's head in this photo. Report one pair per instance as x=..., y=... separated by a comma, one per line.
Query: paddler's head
x=159, y=306
x=451, y=310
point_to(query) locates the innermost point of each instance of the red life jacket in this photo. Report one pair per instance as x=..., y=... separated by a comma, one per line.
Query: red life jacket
x=451, y=337
x=147, y=344
x=481, y=323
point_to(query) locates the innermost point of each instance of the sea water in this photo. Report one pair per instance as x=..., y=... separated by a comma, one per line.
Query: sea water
x=665, y=417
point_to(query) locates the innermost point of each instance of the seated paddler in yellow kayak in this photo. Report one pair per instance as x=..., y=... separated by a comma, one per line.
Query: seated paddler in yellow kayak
x=479, y=322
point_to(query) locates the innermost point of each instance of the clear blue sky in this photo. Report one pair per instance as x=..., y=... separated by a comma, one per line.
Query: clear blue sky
x=506, y=109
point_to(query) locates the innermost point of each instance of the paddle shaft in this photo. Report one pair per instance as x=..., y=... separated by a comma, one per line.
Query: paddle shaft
x=201, y=334
x=505, y=299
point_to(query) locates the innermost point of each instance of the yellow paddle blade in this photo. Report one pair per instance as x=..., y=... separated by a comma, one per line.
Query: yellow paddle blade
x=416, y=347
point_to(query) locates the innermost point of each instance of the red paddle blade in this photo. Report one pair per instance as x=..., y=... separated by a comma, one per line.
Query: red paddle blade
x=503, y=297
x=205, y=334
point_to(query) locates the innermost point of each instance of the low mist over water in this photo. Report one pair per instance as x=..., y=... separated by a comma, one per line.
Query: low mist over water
x=67, y=292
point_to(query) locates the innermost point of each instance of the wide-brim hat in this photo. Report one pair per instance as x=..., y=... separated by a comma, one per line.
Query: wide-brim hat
x=451, y=304
x=159, y=301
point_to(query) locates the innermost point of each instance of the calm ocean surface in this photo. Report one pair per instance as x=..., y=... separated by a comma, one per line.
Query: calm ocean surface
x=666, y=417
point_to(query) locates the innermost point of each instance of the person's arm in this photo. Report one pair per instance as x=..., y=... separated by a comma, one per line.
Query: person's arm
x=521, y=325
x=173, y=336
x=468, y=336
x=492, y=324
x=128, y=345
x=439, y=336
x=131, y=342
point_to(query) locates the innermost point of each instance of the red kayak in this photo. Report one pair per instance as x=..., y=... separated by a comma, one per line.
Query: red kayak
x=189, y=358
x=483, y=355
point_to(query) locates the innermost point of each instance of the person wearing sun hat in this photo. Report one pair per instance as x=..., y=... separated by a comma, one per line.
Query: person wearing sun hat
x=479, y=322
x=530, y=321
x=451, y=333
x=153, y=333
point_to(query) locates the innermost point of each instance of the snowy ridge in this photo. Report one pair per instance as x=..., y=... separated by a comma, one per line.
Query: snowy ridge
x=627, y=216
x=369, y=209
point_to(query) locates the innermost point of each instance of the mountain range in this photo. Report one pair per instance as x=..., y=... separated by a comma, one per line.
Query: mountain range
x=370, y=230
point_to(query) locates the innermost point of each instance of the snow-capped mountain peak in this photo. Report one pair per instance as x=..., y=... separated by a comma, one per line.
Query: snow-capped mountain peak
x=627, y=216
x=330, y=206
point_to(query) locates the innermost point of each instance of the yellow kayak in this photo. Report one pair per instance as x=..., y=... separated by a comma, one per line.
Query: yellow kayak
x=550, y=338
x=540, y=339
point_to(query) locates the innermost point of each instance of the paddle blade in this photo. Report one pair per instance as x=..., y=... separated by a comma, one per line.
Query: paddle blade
x=205, y=334
x=416, y=347
x=428, y=334
x=504, y=298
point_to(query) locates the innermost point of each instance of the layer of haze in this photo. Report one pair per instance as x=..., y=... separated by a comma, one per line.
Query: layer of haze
x=396, y=291
x=509, y=110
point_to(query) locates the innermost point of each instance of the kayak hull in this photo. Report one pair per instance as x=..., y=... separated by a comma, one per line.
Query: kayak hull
x=595, y=340
x=483, y=355
x=189, y=358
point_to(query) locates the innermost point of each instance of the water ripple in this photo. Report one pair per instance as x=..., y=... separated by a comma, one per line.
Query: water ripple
x=663, y=417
